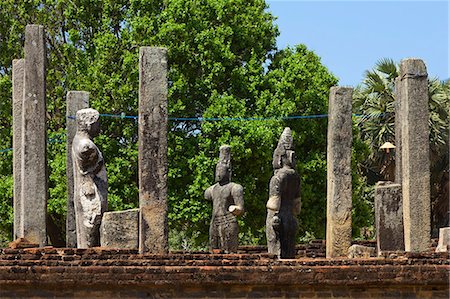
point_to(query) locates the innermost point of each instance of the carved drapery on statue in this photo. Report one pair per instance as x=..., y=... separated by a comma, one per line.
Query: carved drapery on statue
x=284, y=202
x=90, y=180
x=228, y=202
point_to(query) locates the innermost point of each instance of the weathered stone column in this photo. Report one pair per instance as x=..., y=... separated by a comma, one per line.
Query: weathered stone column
x=34, y=138
x=389, y=217
x=17, y=90
x=415, y=154
x=398, y=130
x=339, y=172
x=153, y=226
x=75, y=100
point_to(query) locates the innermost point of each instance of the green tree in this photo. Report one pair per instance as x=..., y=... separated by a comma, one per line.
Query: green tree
x=223, y=62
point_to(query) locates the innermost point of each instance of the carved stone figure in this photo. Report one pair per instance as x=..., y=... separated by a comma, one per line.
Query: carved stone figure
x=284, y=202
x=90, y=181
x=228, y=202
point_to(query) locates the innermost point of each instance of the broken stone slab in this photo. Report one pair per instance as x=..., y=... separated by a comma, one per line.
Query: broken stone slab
x=444, y=240
x=389, y=217
x=120, y=229
x=360, y=251
x=21, y=243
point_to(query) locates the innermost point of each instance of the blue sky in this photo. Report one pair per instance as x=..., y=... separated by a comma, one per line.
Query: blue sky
x=351, y=36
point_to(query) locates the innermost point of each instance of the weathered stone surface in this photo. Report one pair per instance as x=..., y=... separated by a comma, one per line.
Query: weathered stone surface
x=389, y=217
x=90, y=182
x=34, y=139
x=21, y=243
x=153, y=150
x=284, y=202
x=339, y=174
x=360, y=251
x=17, y=89
x=75, y=100
x=415, y=154
x=398, y=130
x=228, y=202
x=120, y=229
x=444, y=240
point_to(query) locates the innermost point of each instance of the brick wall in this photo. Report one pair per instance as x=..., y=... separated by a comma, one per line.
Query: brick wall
x=97, y=272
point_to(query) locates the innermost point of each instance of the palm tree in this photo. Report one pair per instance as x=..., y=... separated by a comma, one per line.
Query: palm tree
x=374, y=100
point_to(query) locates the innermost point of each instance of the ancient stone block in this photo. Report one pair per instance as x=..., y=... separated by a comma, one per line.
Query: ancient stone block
x=75, y=100
x=153, y=150
x=389, y=217
x=360, y=251
x=228, y=202
x=444, y=240
x=90, y=190
x=415, y=154
x=120, y=229
x=339, y=174
x=17, y=89
x=34, y=139
x=284, y=202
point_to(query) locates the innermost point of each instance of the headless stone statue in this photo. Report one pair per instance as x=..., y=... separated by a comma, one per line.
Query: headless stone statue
x=228, y=202
x=284, y=202
x=90, y=181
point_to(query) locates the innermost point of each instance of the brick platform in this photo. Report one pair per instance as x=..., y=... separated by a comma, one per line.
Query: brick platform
x=97, y=272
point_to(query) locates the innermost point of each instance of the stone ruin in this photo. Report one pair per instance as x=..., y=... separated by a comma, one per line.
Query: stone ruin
x=228, y=202
x=402, y=208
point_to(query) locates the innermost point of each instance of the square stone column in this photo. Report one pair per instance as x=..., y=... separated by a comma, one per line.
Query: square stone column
x=17, y=90
x=398, y=130
x=389, y=217
x=75, y=100
x=153, y=223
x=34, y=139
x=339, y=172
x=415, y=154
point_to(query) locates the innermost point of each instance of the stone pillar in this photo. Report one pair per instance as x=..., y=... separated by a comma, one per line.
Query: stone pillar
x=415, y=154
x=34, y=138
x=17, y=90
x=339, y=172
x=153, y=226
x=75, y=100
x=398, y=131
x=389, y=217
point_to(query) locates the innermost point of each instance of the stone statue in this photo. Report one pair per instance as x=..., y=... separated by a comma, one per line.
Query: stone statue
x=284, y=202
x=90, y=181
x=228, y=202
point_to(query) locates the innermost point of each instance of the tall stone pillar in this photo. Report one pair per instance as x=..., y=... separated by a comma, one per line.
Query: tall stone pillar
x=75, y=100
x=339, y=172
x=153, y=226
x=34, y=139
x=17, y=90
x=389, y=217
x=415, y=154
x=398, y=130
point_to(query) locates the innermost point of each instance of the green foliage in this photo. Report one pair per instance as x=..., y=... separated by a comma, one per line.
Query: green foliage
x=223, y=62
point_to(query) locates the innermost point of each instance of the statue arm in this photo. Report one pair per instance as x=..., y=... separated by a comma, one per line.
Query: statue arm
x=274, y=202
x=88, y=156
x=208, y=193
x=238, y=196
